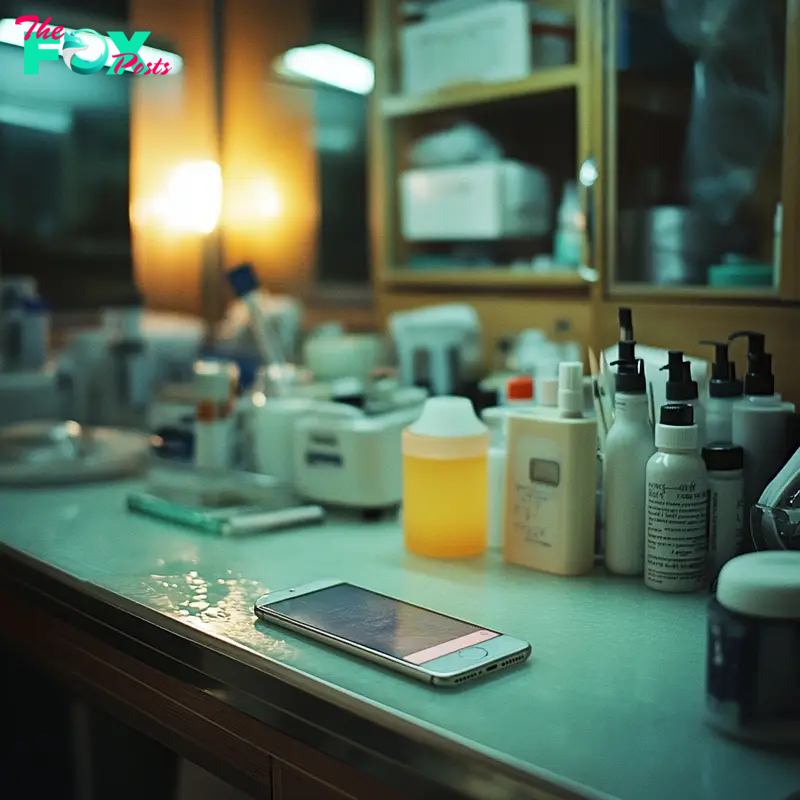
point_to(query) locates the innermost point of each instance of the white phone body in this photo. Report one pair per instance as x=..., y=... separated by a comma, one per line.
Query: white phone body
x=473, y=653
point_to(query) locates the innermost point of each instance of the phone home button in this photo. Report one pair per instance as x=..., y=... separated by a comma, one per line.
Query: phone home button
x=473, y=653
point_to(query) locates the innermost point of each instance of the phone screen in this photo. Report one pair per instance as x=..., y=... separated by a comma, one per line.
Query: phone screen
x=382, y=623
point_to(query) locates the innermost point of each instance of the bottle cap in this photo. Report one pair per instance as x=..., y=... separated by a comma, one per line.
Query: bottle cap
x=447, y=428
x=759, y=380
x=215, y=380
x=676, y=429
x=723, y=457
x=570, y=388
x=547, y=391
x=243, y=279
x=519, y=388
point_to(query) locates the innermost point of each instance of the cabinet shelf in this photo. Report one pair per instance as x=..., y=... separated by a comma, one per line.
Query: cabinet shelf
x=488, y=278
x=551, y=79
x=645, y=292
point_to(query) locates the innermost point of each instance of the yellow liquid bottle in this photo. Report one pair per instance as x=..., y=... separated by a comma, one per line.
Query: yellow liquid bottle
x=445, y=456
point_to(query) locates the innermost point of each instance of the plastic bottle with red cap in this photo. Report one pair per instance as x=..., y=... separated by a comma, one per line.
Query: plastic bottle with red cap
x=519, y=390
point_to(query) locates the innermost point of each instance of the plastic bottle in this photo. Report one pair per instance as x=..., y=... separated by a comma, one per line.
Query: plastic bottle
x=216, y=384
x=725, y=467
x=496, y=419
x=682, y=389
x=676, y=543
x=547, y=393
x=628, y=448
x=760, y=420
x=724, y=391
x=35, y=333
x=571, y=225
x=445, y=480
x=552, y=484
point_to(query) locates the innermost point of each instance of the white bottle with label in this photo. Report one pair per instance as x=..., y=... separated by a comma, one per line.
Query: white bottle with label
x=551, y=484
x=628, y=448
x=676, y=542
x=725, y=466
x=760, y=420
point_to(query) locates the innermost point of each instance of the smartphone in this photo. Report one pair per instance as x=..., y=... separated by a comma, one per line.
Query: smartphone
x=423, y=644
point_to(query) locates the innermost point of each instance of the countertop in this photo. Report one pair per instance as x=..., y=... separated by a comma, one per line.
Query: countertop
x=610, y=705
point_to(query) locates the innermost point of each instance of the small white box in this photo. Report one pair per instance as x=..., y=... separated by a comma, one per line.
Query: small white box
x=472, y=202
x=487, y=44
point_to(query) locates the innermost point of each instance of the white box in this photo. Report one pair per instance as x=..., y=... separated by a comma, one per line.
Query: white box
x=471, y=202
x=488, y=44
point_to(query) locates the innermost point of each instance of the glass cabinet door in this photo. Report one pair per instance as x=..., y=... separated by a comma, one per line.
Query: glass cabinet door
x=693, y=134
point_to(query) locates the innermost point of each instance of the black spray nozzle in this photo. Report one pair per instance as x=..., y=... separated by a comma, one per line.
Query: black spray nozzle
x=680, y=386
x=675, y=366
x=625, y=324
x=723, y=372
x=630, y=377
x=759, y=380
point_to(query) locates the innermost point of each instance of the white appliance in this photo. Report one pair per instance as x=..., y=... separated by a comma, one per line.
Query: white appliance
x=353, y=461
x=437, y=346
x=469, y=202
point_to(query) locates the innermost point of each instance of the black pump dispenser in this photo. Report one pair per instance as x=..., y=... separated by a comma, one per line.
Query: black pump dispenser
x=724, y=382
x=630, y=378
x=625, y=325
x=680, y=386
x=759, y=380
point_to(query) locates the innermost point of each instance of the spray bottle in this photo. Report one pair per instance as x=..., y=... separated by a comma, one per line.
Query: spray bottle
x=759, y=423
x=724, y=391
x=629, y=446
x=682, y=389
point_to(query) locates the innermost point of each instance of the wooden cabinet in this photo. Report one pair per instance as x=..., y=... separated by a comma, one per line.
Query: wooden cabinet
x=626, y=106
x=289, y=783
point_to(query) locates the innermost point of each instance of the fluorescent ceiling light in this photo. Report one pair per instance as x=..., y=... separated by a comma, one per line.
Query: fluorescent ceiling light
x=11, y=33
x=35, y=119
x=331, y=65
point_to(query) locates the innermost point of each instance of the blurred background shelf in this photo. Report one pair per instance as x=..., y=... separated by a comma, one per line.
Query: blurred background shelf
x=666, y=294
x=551, y=79
x=486, y=278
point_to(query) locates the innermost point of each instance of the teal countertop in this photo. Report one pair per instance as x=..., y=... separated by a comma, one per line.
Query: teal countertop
x=611, y=703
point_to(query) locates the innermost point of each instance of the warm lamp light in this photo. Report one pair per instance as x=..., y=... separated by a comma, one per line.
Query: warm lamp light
x=191, y=201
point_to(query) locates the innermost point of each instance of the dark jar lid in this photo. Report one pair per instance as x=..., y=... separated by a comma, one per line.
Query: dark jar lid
x=723, y=457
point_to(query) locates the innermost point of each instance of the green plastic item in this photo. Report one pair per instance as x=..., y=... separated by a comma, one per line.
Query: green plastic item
x=728, y=275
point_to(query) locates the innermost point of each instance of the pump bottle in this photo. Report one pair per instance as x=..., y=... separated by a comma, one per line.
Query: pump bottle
x=552, y=480
x=676, y=544
x=629, y=446
x=760, y=418
x=724, y=391
x=682, y=389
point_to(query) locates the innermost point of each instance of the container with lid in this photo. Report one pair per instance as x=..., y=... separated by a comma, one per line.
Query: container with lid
x=760, y=419
x=216, y=385
x=676, y=506
x=445, y=480
x=725, y=468
x=753, y=656
x=519, y=390
x=551, y=489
